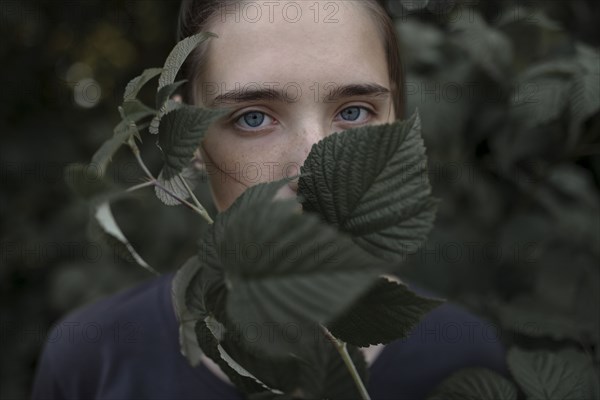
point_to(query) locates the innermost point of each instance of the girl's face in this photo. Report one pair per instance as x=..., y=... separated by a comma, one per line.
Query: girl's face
x=291, y=75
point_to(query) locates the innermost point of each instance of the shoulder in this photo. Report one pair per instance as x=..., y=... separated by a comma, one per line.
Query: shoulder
x=114, y=319
x=84, y=346
x=446, y=340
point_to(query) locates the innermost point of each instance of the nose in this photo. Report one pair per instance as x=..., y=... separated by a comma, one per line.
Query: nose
x=310, y=133
x=302, y=137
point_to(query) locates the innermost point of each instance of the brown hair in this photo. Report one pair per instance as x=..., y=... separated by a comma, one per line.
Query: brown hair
x=196, y=15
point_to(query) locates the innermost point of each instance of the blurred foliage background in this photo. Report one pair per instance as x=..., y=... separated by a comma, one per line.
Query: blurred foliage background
x=509, y=95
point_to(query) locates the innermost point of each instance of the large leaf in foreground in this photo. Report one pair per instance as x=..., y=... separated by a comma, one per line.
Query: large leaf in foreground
x=181, y=131
x=388, y=311
x=210, y=346
x=286, y=274
x=475, y=384
x=323, y=374
x=372, y=183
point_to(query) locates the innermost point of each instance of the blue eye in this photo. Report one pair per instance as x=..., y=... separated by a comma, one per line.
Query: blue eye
x=355, y=114
x=252, y=119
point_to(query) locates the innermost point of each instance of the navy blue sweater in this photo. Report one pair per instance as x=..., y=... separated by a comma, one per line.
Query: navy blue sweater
x=126, y=347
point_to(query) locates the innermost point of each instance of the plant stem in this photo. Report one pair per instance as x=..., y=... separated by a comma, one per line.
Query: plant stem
x=343, y=350
x=198, y=204
x=136, y=152
x=140, y=186
x=138, y=157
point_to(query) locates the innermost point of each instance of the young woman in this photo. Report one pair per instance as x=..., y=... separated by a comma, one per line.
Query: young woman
x=291, y=73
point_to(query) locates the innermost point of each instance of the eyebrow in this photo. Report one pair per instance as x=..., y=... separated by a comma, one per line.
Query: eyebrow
x=361, y=89
x=270, y=94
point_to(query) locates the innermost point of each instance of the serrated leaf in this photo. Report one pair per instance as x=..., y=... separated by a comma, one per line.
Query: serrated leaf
x=180, y=134
x=269, y=288
x=544, y=375
x=177, y=186
x=166, y=92
x=135, y=110
x=166, y=108
x=177, y=57
x=136, y=84
x=124, y=131
x=388, y=311
x=475, y=384
x=372, y=183
x=188, y=342
x=106, y=222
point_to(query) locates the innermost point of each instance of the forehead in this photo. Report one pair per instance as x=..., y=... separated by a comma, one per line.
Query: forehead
x=295, y=41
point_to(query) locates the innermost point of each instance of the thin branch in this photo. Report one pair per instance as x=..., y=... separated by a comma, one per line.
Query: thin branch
x=136, y=152
x=198, y=204
x=140, y=186
x=343, y=350
x=138, y=157
x=182, y=201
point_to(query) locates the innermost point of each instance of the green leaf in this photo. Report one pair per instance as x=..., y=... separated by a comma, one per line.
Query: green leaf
x=276, y=373
x=167, y=107
x=372, y=183
x=112, y=234
x=122, y=133
x=475, y=384
x=180, y=134
x=241, y=370
x=529, y=316
x=177, y=185
x=545, y=375
x=287, y=274
x=135, y=110
x=534, y=36
x=589, y=374
x=585, y=95
x=136, y=84
x=178, y=55
x=188, y=342
x=488, y=47
x=542, y=93
x=323, y=374
x=210, y=346
x=166, y=92
x=388, y=311
x=206, y=292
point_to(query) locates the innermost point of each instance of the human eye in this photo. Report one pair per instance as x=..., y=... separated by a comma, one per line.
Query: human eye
x=355, y=114
x=253, y=120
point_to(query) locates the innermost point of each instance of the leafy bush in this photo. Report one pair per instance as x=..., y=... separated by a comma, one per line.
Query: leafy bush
x=512, y=124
